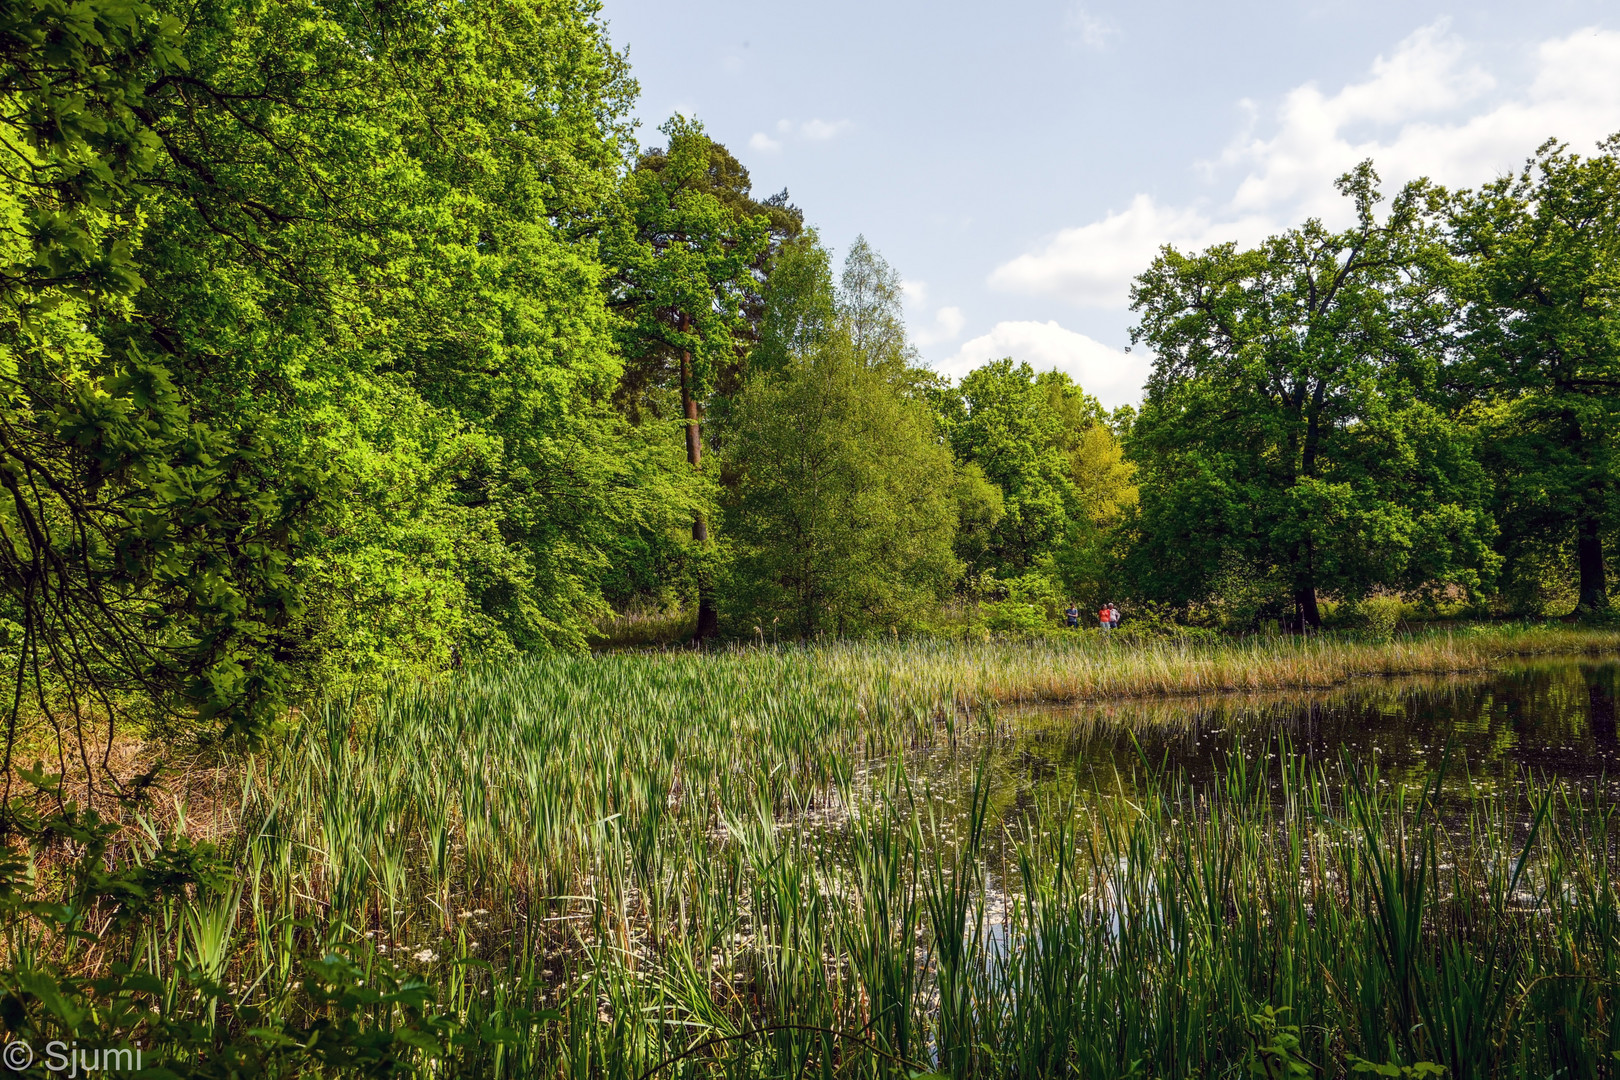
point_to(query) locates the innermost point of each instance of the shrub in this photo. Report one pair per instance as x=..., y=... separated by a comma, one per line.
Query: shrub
x=1378, y=616
x=1029, y=603
x=1013, y=616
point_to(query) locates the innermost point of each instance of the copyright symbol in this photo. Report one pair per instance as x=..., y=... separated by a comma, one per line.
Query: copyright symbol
x=17, y=1056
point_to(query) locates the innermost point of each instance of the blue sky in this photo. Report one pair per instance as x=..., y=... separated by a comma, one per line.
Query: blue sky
x=1019, y=162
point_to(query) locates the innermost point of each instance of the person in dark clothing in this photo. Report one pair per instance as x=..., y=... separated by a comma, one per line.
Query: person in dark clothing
x=1071, y=615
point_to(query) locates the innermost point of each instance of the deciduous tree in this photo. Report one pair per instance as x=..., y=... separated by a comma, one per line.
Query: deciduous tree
x=1289, y=422
x=147, y=543
x=1538, y=284
x=841, y=508
x=1011, y=423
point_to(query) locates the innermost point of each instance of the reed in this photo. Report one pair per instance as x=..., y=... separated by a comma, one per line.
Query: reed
x=677, y=865
x=1088, y=666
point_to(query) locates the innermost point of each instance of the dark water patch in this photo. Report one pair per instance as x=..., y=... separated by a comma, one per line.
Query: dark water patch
x=1548, y=719
x=1553, y=718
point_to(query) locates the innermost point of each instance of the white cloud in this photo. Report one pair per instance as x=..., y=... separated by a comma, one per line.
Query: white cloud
x=1092, y=265
x=822, y=130
x=946, y=325
x=1114, y=376
x=1318, y=137
x=1425, y=75
x=1086, y=29
x=1424, y=110
x=763, y=143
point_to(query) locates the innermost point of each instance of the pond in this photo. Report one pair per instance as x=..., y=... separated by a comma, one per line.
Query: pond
x=1551, y=719
x=1525, y=722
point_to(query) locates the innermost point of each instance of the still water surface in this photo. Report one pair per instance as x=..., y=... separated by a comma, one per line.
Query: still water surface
x=1553, y=719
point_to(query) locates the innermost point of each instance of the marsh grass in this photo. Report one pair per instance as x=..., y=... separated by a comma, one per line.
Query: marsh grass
x=1091, y=667
x=686, y=865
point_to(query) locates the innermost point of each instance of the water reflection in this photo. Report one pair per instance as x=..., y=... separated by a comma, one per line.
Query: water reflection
x=1548, y=719
x=1551, y=718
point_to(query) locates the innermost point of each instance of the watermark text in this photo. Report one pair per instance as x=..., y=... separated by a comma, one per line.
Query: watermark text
x=71, y=1059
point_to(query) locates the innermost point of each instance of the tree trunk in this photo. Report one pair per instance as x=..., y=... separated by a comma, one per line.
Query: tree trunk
x=1589, y=557
x=694, y=440
x=708, y=618
x=1306, y=614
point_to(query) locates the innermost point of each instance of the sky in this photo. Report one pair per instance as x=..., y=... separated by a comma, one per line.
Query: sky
x=1020, y=162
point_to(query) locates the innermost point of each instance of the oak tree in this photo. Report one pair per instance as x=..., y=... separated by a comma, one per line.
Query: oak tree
x=1290, y=426
x=1538, y=287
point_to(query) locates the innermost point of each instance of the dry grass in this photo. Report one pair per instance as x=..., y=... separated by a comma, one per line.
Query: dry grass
x=1092, y=668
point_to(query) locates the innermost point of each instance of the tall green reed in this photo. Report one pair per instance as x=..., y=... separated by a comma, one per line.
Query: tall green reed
x=690, y=866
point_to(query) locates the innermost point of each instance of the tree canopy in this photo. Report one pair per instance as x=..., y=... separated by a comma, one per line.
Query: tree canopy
x=1290, y=425
x=691, y=255
x=1537, y=281
x=841, y=507
x=343, y=341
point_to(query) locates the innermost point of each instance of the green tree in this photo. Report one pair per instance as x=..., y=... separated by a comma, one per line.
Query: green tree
x=388, y=268
x=691, y=259
x=871, y=309
x=1104, y=478
x=980, y=506
x=1062, y=484
x=1013, y=425
x=800, y=311
x=840, y=508
x=308, y=352
x=1085, y=564
x=1538, y=286
x=1289, y=428
x=147, y=543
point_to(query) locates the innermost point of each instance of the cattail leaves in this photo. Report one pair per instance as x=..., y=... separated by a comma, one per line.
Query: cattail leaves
x=768, y=865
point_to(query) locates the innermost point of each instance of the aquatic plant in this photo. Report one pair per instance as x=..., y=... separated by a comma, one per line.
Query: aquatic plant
x=677, y=865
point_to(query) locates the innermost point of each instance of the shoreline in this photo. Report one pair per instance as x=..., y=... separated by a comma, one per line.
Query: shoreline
x=1007, y=672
